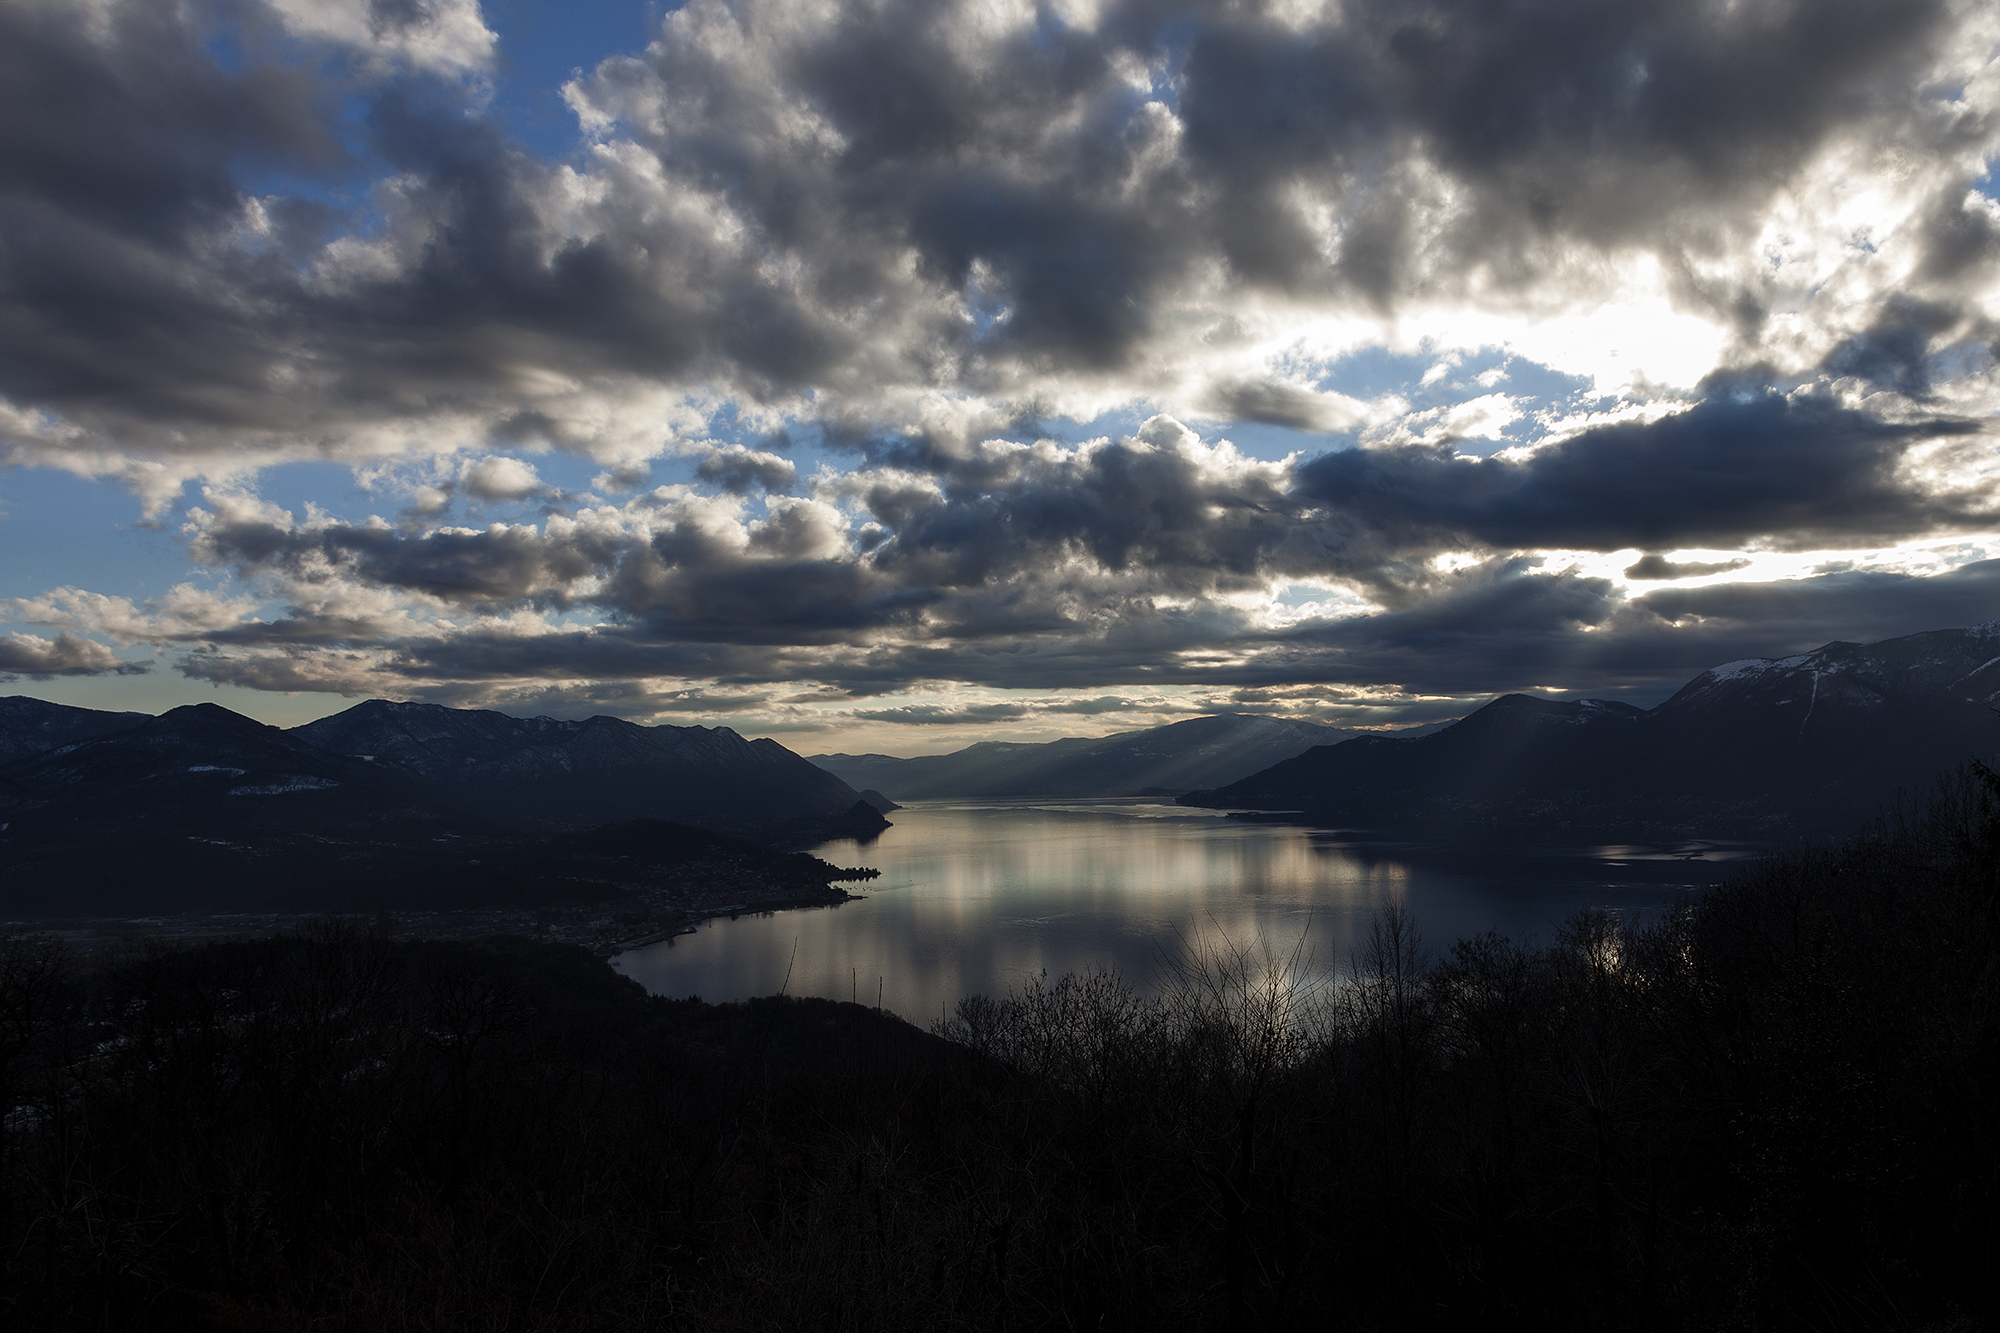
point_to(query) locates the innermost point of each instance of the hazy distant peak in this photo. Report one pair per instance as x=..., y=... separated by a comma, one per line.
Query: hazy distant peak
x=1178, y=756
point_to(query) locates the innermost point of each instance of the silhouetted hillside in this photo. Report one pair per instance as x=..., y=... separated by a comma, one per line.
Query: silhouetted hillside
x=1776, y=1107
x=31, y=726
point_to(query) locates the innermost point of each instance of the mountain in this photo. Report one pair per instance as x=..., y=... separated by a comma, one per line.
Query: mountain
x=595, y=771
x=30, y=726
x=204, y=809
x=195, y=765
x=1200, y=752
x=1812, y=743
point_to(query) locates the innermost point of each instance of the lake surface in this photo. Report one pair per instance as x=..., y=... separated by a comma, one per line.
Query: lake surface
x=976, y=896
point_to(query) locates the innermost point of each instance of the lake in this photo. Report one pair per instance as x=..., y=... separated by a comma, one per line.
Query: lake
x=976, y=896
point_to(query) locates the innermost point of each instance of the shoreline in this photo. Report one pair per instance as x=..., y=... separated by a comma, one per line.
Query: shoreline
x=605, y=930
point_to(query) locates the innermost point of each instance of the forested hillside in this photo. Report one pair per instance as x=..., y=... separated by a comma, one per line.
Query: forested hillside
x=1777, y=1107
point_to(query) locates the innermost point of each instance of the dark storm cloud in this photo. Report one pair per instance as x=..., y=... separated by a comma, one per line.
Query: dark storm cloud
x=840, y=211
x=1894, y=351
x=1061, y=539
x=1960, y=237
x=1274, y=404
x=900, y=195
x=135, y=130
x=134, y=301
x=1800, y=471
x=1601, y=118
x=1514, y=632
x=1082, y=567
x=1657, y=566
x=737, y=469
x=1867, y=605
x=120, y=141
x=1506, y=625
x=925, y=715
x=65, y=655
x=499, y=565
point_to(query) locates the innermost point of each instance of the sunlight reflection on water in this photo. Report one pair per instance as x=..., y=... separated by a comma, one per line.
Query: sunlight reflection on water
x=975, y=896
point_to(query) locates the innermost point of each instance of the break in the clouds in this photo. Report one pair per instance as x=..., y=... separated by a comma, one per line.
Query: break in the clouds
x=864, y=365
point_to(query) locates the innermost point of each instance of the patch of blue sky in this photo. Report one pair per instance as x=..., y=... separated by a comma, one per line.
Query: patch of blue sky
x=1262, y=439
x=331, y=487
x=61, y=530
x=345, y=189
x=1367, y=374
x=1989, y=184
x=1296, y=595
x=58, y=530
x=334, y=490
x=1117, y=423
x=574, y=474
x=987, y=310
x=1373, y=372
x=544, y=46
x=225, y=46
x=1969, y=357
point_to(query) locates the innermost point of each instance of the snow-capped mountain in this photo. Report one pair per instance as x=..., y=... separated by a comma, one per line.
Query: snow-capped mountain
x=1815, y=742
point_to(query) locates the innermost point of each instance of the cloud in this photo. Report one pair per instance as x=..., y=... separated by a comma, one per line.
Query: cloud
x=1104, y=208
x=1281, y=404
x=500, y=478
x=928, y=236
x=925, y=715
x=1741, y=465
x=1147, y=559
x=1656, y=566
x=65, y=655
x=445, y=36
x=736, y=469
x=1894, y=351
x=929, y=715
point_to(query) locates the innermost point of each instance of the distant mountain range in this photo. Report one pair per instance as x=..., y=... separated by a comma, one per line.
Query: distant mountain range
x=202, y=805
x=1815, y=743
x=1200, y=752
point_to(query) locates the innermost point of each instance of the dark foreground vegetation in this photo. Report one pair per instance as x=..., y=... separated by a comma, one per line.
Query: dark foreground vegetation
x=1775, y=1108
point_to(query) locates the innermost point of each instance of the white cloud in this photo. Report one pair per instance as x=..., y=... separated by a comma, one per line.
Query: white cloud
x=496, y=477
x=449, y=36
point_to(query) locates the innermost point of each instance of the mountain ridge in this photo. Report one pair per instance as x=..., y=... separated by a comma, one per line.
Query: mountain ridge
x=203, y=808
x=1808, y=743
x=1201, y=751
x=595, y=770
x=30, y=726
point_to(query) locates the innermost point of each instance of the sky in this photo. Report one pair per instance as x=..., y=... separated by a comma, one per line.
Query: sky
x=887, y=375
